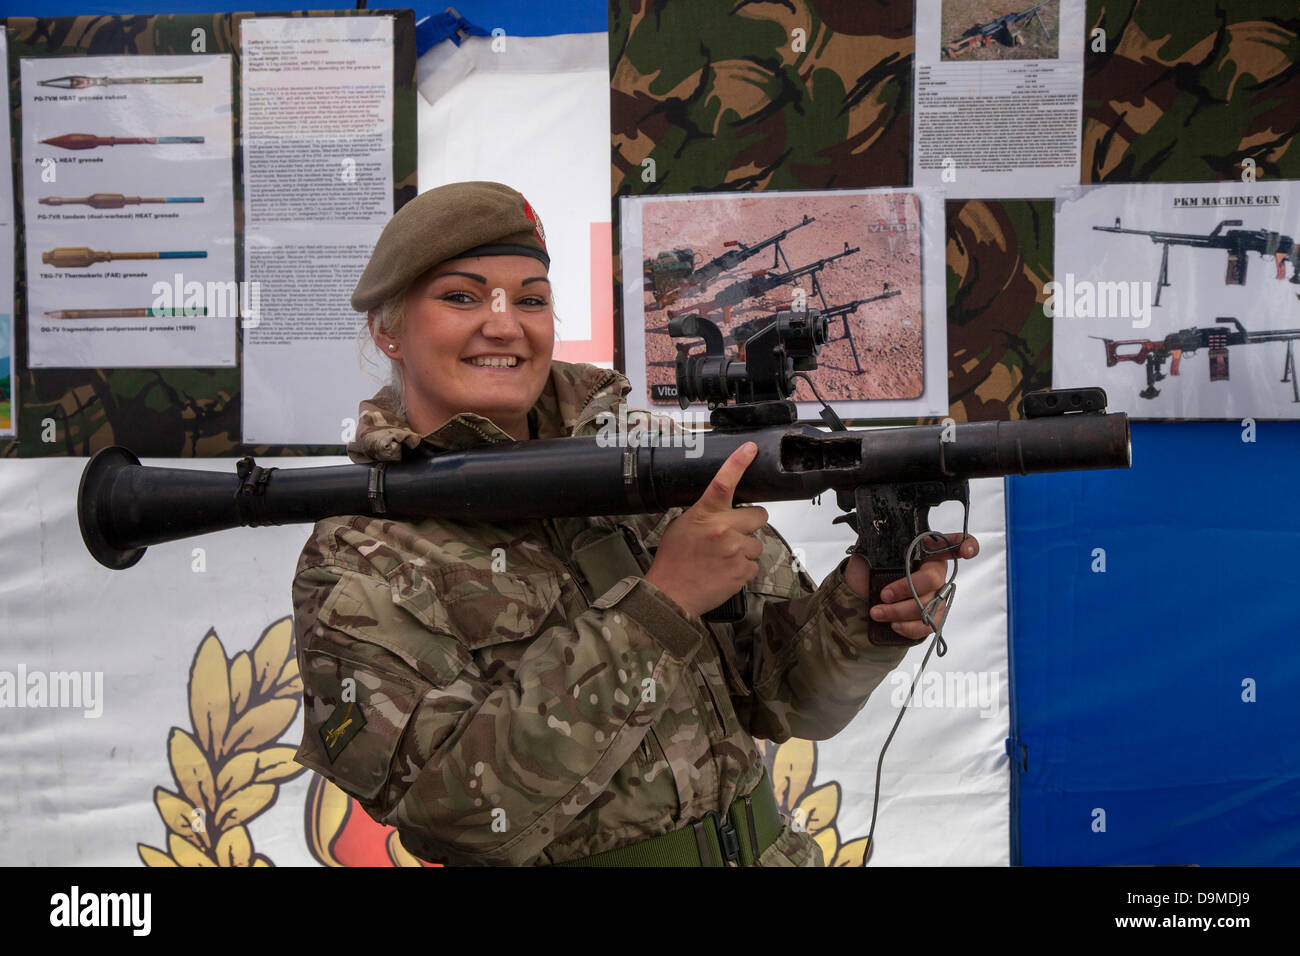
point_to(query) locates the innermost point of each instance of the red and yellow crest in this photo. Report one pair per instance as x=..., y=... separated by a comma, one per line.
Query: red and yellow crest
x=536, y=220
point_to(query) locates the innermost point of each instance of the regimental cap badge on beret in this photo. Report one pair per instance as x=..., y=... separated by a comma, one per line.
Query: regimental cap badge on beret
x=531, y=213
x=446, y=222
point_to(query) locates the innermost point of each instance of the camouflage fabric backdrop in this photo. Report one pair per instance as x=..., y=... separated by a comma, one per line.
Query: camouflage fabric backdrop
x=160, y=412
x=999, y=341
x=1186, y=91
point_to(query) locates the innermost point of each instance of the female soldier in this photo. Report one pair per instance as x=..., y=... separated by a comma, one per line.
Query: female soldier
x=545, y=692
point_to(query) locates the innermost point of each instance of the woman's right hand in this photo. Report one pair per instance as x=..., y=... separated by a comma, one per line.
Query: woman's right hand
x=709, y=551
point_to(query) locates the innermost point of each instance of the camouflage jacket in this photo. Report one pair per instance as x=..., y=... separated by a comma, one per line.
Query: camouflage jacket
x=464, y=686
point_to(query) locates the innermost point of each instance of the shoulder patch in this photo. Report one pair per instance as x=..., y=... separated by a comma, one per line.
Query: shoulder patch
x=344, y=724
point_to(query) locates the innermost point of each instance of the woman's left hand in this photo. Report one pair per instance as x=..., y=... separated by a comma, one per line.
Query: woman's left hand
x=897, y=605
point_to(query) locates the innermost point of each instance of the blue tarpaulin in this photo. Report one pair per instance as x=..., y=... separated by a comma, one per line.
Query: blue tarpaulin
x=1155, y=712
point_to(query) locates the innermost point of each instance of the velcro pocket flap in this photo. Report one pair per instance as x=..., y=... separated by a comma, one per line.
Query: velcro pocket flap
x=479, y=607
x=370, y=610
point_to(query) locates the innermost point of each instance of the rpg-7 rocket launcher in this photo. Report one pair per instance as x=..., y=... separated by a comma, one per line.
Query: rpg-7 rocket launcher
x=1216, y=339
x=1236, y=242
x=887, y=480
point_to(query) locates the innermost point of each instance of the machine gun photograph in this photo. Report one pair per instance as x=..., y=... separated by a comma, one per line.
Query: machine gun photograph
x=1004, y=30
x=758, y=284
x=1235, y=242
x=671, y=275
x=885, y=480
x=856, y=244
x=1217, y=339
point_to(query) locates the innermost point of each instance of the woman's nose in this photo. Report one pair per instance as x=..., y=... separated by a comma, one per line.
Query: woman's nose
x=503, y=323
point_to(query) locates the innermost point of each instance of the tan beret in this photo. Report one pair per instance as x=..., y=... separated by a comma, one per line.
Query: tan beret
x=475, y=218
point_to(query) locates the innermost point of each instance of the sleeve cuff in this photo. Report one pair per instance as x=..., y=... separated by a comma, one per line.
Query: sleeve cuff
x=853, y=619
x=677, y=630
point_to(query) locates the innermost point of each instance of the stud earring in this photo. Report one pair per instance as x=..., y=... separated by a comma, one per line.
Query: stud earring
x=391, y=347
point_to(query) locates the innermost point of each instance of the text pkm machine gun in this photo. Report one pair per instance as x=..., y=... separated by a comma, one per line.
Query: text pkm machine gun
x=1236, y=242
x=1001, y=30
x=887, y=480
x=1217, y=339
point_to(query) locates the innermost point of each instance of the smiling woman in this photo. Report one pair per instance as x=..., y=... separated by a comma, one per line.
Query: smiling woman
x=473, y=334
x=547, y=691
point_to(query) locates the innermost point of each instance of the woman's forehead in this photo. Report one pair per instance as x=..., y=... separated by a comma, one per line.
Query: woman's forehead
x=524, y=267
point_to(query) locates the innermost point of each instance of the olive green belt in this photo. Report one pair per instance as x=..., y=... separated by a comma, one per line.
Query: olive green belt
x=750, y=827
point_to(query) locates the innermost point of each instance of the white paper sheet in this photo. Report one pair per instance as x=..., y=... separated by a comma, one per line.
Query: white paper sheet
x=196, y=240
x=317, y=117
x=998, y=121
x=1108, y=284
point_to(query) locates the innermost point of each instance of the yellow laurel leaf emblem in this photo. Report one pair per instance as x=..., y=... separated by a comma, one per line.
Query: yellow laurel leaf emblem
x=228, y=769
x=819, y=807
x=811, y=809
x=234, y=848
x=241, y=680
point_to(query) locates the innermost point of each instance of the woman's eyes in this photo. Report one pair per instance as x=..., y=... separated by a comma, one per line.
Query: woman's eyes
x=465, y=298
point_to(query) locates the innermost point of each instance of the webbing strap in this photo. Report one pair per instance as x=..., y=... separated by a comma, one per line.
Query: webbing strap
x=752, y=824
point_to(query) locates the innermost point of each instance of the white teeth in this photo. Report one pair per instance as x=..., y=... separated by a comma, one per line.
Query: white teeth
x=495, y=362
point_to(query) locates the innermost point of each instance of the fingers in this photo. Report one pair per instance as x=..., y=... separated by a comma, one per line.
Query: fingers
x=905, y=616
x=721, y=490
x=938, y=545
x=748, y=518
x=927, y=579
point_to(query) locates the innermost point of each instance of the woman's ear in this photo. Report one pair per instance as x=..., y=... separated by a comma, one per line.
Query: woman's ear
x=386, y=344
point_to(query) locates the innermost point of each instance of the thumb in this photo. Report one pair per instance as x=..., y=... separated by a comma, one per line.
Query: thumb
x=722, y=489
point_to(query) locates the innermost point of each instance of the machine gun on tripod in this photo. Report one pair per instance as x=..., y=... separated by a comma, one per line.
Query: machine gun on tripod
x=1236, y=242
x=1215, y=338
x=757, y=285
x=746, y=330
x=669, y=281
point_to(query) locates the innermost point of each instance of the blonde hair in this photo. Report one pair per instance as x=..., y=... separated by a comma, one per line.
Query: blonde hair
x=388, y=318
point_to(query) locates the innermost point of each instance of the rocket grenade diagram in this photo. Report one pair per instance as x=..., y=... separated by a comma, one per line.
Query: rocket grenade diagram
x=91, y=141
x=112, y=200
x=79, y=257
x=124, y=313
x=85, y=82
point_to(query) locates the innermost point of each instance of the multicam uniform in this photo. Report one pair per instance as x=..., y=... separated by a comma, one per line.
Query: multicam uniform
x=464, y=685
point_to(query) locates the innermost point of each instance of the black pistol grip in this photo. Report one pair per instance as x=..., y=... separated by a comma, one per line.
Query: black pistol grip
x=882, y=633
x=729, y=611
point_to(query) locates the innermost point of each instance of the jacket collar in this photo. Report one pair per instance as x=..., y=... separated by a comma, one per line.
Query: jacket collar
x=575, y=394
